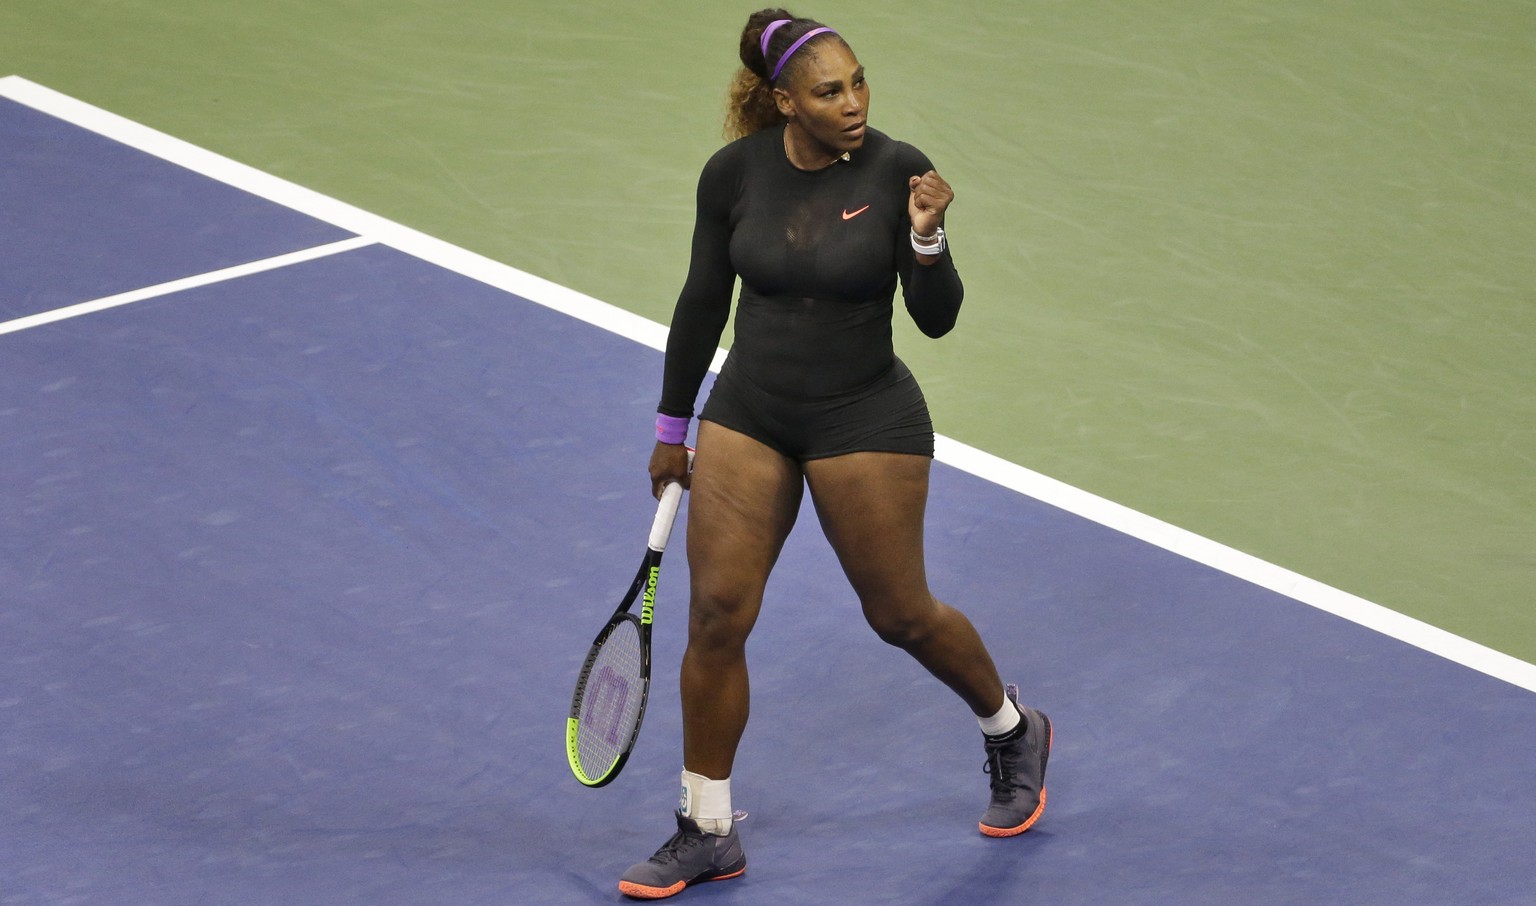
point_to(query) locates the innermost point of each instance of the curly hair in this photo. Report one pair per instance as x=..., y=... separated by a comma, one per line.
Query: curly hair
x=749, y=100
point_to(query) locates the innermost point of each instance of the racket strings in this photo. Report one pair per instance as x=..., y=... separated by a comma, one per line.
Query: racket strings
x=611, y=701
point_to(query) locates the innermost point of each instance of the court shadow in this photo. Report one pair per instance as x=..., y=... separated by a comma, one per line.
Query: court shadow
x=995, y=874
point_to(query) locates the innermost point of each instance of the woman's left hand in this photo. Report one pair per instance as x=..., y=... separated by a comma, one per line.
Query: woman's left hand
x=930, y=197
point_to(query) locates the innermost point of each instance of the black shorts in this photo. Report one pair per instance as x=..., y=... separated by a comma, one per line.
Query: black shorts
x=887, y=415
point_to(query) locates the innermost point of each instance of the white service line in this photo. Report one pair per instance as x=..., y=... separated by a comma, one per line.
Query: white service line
x=641, y=330
x=185, y=283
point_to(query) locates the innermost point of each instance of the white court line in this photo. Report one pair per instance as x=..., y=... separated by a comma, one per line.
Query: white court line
x=185, y=283
x=627, y=324
x=337, y=213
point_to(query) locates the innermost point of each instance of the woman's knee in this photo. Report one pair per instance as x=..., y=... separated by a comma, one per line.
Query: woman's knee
x=721, y=618
x=904, y=627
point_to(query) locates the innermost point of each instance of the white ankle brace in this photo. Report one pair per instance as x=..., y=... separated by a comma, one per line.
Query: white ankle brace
x=707, y=802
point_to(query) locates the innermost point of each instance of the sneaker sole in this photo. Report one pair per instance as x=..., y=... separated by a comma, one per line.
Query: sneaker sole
x=641, y=892
x=1000, y=832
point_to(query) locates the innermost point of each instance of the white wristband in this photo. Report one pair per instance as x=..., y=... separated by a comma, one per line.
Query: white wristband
x=929, y=245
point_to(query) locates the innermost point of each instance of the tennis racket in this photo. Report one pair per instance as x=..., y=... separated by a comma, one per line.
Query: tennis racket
x=615, y=679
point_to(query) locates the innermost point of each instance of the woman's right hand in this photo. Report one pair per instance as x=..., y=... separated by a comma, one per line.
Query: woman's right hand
x=669, y=462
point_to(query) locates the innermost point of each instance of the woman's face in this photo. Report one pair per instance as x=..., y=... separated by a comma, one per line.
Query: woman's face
x=828, y=98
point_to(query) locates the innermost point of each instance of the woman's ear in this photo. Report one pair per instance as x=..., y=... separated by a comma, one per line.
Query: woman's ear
x=786, y=105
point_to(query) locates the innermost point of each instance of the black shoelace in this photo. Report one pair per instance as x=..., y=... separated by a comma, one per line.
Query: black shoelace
x=670, y=850
x=1000, y=766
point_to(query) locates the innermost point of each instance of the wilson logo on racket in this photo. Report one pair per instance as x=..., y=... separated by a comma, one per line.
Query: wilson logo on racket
x=648, y=603
x=606, y=698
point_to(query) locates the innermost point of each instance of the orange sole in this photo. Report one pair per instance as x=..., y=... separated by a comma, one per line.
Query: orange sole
x=641, y=892
x=1015, y=831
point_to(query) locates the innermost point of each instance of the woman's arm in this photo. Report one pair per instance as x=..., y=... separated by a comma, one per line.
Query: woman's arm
x=698, y=319
x=930, y=285
x=704, y=304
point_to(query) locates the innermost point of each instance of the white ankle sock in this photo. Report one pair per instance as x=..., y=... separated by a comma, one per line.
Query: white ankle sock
x=707, y=802
x=1004, y=721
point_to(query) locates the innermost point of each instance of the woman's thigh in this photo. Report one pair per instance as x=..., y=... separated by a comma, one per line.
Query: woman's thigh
x=743, y=500
x=871, y=507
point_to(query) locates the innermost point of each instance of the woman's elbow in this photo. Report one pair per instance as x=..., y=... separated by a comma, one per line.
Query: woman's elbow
x=935, y=327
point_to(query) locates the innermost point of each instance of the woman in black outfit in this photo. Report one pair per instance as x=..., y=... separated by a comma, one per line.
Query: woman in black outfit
x=820, y=216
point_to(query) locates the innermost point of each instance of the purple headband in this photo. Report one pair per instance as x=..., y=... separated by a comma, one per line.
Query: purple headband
x=768, y=33
x=774, y=26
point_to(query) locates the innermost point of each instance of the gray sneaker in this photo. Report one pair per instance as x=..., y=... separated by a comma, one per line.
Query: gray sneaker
x=1017, y=765
x=689, y=857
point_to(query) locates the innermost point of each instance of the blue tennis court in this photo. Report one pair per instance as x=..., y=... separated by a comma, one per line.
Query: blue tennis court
x=302, y=554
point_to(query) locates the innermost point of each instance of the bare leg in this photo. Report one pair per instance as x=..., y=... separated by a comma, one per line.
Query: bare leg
x=742, y=503
x=871, y=506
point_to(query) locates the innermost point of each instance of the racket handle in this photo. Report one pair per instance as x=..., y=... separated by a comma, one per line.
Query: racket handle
x=666, y=513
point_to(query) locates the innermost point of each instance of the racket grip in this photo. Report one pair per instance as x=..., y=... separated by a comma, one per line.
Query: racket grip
x=666, y=513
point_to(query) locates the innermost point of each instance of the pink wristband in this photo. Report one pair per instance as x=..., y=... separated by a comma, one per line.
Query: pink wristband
x=670, y=429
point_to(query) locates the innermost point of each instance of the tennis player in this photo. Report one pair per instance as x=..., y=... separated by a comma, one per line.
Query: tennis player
x=820, y=216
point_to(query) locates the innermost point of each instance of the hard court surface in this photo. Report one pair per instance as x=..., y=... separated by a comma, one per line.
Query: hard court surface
x=301, y=558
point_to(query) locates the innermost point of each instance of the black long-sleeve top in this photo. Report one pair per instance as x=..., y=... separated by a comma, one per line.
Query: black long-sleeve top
x=819, y=254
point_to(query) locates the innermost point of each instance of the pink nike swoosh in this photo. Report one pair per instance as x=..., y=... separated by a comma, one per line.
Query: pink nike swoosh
x=848, y=216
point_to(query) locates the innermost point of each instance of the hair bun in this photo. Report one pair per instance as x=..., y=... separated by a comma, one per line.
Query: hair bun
x=751, y=51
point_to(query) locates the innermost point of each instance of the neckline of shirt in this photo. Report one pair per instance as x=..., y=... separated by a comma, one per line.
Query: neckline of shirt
x=783, y=154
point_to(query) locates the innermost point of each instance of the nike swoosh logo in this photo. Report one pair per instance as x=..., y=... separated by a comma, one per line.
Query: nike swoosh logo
x=848, y=216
